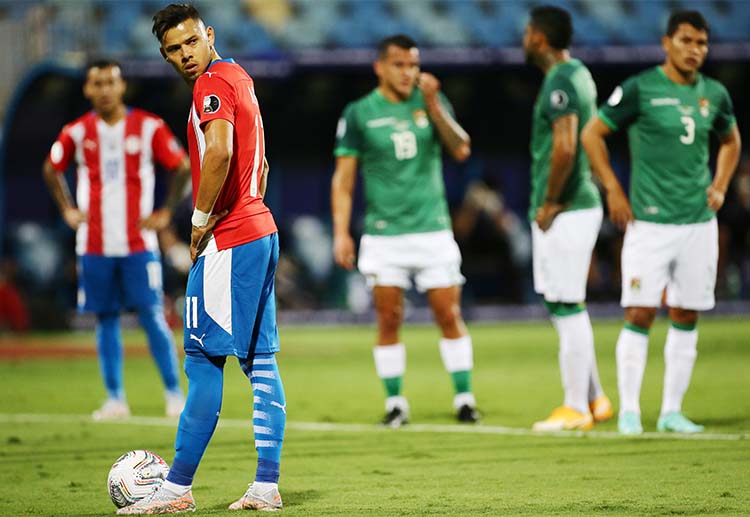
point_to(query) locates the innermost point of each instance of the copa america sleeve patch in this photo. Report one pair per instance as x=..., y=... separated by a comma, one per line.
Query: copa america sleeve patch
x=211, y=104
x=559, y=99
x=616, y=97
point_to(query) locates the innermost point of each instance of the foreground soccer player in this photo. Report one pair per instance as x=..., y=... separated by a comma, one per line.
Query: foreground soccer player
x=566, y=214
x=395, y=133
x=230, y=305
x=115, y=148
x=671, y=238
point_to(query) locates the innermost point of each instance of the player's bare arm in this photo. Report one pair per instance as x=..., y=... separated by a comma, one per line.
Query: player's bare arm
x=219, y=148
x=726, y=164
x=453, y=136
x=592, y=139
x=160, y=218
x=564, y=145
x=58, y=187
x=342, y=191
x=264, y=177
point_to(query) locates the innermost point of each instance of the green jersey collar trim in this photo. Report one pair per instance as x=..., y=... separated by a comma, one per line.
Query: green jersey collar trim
x=698, y=78
x=345, y=151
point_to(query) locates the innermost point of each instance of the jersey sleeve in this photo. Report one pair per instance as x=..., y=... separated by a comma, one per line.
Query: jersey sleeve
x=724, y=121
x=166, y=149
x=561, y=99
x=62, y=151
x=348, y=134
x=622, y=106
x=214, y=98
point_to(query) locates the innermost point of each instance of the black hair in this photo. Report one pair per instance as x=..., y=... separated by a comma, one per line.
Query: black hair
x=555, y=23
x=171, y=16
x=101, y=62
x=693, y=18
x=399, y=40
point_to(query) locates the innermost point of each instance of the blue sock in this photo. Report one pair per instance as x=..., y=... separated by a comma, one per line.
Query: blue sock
x=109, y=348
x=161, y=343
x=269, y=414
x=198, y=419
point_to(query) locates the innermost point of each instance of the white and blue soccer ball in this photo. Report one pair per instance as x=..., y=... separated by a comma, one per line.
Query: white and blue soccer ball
x=134, y=475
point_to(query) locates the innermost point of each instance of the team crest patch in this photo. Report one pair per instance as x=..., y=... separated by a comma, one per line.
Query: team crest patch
x=211, y=104
x=635, y=284
x=420, y=118
x=132, y=144
x=558, y=99
x=704, y=106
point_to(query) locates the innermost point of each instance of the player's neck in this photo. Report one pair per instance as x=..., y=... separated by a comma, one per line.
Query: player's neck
x=114, y=116
x=676, y=75
x=390, y=94
x=546, y=60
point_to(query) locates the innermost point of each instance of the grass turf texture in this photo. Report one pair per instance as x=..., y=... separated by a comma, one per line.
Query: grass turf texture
x=58, y=465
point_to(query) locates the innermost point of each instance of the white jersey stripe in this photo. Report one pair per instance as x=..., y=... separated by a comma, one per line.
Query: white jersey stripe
x=83, y=186
x=114, y=195
x=148, y=180
x=256, y=160
x=199, y=136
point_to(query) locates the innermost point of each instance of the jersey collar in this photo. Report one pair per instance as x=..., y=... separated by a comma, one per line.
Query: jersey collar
x=227, y=60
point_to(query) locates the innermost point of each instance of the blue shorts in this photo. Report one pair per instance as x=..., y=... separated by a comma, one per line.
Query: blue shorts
x=230, y=303
x=110, y=284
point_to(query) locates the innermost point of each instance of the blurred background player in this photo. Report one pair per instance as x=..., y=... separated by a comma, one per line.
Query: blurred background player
x=230, y=307
x=671, y=238
x=395, y=134
x=566, y=214
x=119, y=267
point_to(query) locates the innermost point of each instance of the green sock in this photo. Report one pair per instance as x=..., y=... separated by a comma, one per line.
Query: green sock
x=392, y=386
x=462, y=381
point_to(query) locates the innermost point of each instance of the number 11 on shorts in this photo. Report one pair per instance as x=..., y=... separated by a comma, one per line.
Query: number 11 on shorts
x=191, y=312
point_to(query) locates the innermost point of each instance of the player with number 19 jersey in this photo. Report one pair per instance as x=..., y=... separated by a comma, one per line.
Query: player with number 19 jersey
x=401, y=159
x=669, y=132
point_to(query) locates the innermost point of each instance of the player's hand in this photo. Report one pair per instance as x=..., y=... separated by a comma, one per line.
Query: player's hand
x=619, y=209
x=546, y=214
x=73, y=217
x=158, y=220
x=343, y=251
x=199, y=237
x=714, y=198
x=430, y=87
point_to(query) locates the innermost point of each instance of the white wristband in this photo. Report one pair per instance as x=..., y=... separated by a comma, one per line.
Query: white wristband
x=200, y=218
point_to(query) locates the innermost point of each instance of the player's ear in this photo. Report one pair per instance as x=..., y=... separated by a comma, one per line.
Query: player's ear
x=211, y=36
x=163, y=54
x=377, y=67
x=666, y=43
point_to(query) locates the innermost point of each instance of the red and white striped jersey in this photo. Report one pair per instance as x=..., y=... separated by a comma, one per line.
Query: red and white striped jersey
x=115, y=178
x=225, y=91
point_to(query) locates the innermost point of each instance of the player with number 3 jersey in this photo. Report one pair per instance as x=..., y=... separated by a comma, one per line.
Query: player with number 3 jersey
x=671, y=238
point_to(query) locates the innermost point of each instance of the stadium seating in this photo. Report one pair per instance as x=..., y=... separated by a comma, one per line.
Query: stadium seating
x=256, y=27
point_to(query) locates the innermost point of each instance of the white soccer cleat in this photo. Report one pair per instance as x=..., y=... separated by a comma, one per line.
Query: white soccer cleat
x=112, y=409
x=160, y=502
x=256, y=499
x=175, y=403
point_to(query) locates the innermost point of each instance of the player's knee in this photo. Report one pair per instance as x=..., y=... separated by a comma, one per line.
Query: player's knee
x=449, y=317
x=683, y=316
x=390, y=318
x=642, y=317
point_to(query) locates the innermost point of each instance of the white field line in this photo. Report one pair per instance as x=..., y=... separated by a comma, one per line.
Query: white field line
x=235, y=423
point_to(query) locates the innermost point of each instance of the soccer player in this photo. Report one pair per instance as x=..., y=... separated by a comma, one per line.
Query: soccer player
x=230, y=305
x=671, y=235
x=114, y=148
x=395, y=133
x=565, y=213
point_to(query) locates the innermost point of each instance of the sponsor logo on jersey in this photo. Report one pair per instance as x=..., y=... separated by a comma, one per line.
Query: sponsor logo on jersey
x=211, y=104
x=615, y=97
x=558, y=99
x=420, y=118
x=380, y=122
x=704, y=106
x=665, y=101
x=132, y=144
x=635, y=284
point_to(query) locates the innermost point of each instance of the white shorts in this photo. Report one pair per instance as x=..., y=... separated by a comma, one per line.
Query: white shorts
x=433, y=258
x=562, y=254
x=680, y=257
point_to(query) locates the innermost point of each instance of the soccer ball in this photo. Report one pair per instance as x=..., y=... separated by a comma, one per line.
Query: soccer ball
x=134, y=475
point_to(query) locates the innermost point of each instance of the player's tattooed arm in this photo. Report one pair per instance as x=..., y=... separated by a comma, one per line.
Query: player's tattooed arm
x=214, y=170
x=592, y=139
x=58, y=187
x=342, y=191
x=564, y=145
x=453, y=136
x=726, y=164
x=160, y=218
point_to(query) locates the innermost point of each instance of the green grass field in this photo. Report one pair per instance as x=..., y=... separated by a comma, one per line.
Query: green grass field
x=54, y=460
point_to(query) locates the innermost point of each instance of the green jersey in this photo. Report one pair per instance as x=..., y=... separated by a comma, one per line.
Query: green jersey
x=400, y=157
x=567, y=88
x=668, y=131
